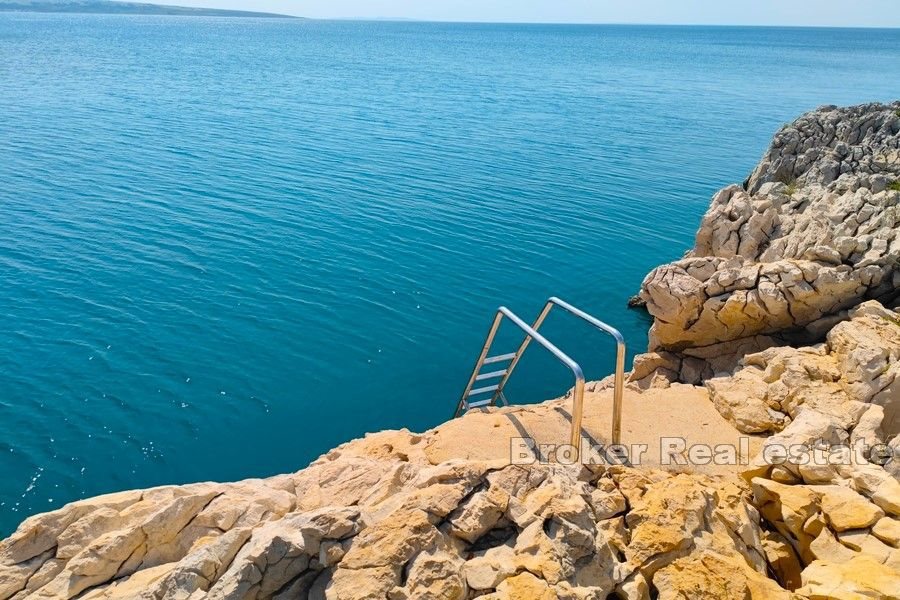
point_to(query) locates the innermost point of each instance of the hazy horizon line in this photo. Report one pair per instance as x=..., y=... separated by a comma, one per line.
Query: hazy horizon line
x=616, y=23
x=251, y=15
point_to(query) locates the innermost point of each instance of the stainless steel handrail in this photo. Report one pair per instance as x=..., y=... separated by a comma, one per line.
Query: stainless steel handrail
x=530, y=333
x=620, y=357
x=463, y=401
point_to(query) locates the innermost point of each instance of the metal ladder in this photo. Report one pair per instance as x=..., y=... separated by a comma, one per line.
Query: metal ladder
x=466, y=402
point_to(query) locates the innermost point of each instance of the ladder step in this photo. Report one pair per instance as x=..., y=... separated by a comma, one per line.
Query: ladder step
x=490, y=388
x=499, y=358
x=491, y=375
x=478, y=404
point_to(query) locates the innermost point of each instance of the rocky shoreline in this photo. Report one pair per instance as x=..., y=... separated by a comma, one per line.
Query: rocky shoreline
x=782, y=321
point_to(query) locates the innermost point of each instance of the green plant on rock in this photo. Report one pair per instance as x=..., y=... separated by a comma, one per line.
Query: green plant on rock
x=792, y=187
x=791, y=183
x=894, y=186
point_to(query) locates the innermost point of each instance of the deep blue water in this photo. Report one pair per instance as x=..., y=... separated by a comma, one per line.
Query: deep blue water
x=228, y=245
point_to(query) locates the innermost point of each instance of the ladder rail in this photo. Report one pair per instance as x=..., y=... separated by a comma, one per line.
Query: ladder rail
x=488, y=341
x=530, y=333
x=619, y=381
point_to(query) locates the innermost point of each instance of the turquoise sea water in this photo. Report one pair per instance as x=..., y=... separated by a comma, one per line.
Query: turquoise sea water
x=228, y=245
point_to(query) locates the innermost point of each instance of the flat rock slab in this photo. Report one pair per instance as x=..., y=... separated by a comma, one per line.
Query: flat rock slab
x=665, y=420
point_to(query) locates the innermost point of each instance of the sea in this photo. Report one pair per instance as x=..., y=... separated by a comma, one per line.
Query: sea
x=228, y=245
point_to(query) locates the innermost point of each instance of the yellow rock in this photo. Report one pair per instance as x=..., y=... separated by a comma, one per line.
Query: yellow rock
x=783, y=559
x=888, y=531
x=709, y=576
x=846, y=509
x=524, y=586
x=859, y=578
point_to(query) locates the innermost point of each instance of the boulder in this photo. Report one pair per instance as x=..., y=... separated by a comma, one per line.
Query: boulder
x=845, y=509
x=887, y=530
x=859, y=577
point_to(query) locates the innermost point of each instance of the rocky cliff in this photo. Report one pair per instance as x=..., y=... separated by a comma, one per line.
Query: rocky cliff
x=778, y=323
x=370, y=520
x=814, y=231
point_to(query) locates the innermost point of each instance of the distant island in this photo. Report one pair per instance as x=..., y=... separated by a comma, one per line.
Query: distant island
x=125, y=8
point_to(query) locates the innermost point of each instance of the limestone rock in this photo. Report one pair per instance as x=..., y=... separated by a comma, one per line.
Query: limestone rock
x=798, y=245
x=826, y=547
x=888, y=531
x=862, y=137
x=712, y=577
x=859, y=577
x=860, y=363
x=788, y=508
x=783, y=560
x=524, y=585
x=890, y=457
x=845, y=509
x=802, y=438
x=375, y=518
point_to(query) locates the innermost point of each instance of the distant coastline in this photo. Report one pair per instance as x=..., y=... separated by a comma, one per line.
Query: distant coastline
x=108, y=7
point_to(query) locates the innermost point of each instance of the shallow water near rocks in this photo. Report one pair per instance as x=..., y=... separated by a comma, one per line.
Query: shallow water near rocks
x=227, y=245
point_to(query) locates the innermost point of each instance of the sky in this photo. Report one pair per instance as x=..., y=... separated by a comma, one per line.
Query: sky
x=859, y=13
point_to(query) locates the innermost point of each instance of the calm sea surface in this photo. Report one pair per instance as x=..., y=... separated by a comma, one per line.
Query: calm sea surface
x=228, y=245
